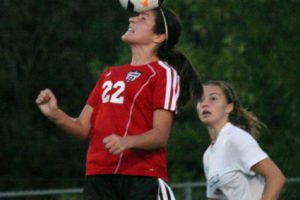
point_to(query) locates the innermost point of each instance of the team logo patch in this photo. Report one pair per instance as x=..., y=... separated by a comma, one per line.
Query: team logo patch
x=131, y=76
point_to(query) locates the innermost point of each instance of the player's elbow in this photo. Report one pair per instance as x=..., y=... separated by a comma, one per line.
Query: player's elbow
x=162, y=142
x=162, y=138
x=281, y=178
x=83, y=130
x=276, y=177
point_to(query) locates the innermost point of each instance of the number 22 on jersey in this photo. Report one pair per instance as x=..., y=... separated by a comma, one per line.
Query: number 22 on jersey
x=115, y=97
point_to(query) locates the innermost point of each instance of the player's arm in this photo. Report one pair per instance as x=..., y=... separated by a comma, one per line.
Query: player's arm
x=155, y=138
x=79, y=127
x=274, y=179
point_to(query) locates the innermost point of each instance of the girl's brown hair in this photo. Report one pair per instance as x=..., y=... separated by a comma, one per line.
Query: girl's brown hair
x=239, y=116
x=168, y=22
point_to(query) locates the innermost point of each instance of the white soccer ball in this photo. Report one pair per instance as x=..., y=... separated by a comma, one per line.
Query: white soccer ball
x=140, y=5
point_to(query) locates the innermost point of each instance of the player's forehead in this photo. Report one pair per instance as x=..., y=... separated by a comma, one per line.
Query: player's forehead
x=148, y=13
x=212, y=89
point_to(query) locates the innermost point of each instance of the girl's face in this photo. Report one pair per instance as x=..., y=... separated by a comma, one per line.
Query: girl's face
x=213, y=109
x=140, y=29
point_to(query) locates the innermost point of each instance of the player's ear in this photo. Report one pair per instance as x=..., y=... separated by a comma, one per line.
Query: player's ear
x=229, y=108
x=159, y=38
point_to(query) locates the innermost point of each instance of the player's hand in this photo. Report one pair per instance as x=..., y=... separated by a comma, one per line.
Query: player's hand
x=115, y=144
x=47, y=103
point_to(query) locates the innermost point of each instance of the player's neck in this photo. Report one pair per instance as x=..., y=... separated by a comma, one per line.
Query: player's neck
x=215, y=129
x=213, y=133
x=142, y=57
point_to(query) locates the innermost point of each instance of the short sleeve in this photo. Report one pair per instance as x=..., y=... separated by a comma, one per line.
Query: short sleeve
x=249, y=152
x=166, y=88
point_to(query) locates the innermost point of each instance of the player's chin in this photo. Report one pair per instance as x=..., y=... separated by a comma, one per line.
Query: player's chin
x=205, y=120
x=127, y=37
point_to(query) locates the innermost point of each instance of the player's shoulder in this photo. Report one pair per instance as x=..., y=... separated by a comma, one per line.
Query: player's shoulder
x=163, y=69
x=232, y=129
x=117, y=67
x=160, y=65
x=234, y=132
x=237, y=135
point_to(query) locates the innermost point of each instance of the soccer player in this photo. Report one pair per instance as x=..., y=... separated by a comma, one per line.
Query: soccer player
x=128, y=115
x=235, y=166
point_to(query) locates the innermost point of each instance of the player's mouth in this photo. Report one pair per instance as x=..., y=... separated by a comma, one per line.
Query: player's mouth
x=205, y=113
x=130, y=29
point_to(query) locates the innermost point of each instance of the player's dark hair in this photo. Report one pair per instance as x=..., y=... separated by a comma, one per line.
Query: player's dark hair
x=239, y=116
x=167, y=22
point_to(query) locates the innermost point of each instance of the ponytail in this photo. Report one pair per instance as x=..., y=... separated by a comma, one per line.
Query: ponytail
x=190, y=84
x=246, y=120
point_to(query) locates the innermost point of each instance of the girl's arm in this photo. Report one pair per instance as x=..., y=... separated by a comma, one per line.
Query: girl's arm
x=155, y=138
x=274, y=179
x=79, y=127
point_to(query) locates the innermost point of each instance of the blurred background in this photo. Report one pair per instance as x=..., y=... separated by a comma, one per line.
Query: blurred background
x=65, y=45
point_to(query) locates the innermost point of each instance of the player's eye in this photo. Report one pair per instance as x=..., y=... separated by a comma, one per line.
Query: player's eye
x=213, y=98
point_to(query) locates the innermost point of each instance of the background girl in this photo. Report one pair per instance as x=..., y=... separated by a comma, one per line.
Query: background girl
x=236, y=168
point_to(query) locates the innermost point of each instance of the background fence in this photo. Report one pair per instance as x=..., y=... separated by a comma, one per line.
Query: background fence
x=183, y=191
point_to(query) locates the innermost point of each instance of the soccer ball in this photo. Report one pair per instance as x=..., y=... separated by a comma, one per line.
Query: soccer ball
x=140, y=5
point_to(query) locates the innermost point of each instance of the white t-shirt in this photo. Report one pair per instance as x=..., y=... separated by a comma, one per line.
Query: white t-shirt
x=227, y=166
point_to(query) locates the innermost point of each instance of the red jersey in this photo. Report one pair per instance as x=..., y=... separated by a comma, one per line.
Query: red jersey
x=124, y=100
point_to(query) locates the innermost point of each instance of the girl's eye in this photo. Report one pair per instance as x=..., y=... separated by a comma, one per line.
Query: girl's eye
x=213, y=98
x=142, y=16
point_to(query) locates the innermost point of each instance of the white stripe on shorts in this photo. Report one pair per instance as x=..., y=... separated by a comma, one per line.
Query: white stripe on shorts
x=164, y=191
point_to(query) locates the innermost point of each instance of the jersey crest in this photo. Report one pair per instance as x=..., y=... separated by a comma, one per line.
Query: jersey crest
x=131, y=76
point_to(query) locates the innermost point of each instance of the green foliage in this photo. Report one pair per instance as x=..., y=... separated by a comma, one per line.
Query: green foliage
x=65, y=45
